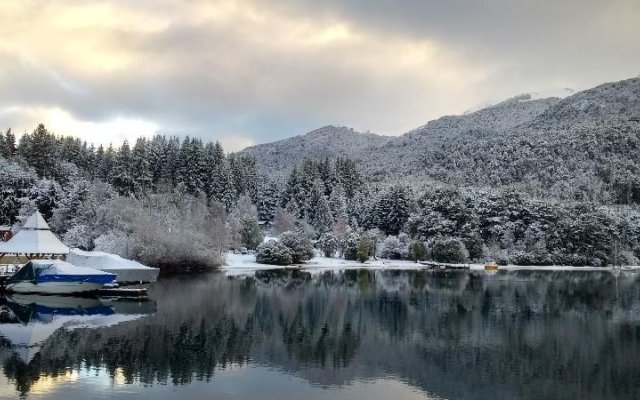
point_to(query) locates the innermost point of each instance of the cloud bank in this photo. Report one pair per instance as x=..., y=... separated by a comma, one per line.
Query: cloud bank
x=251, y=71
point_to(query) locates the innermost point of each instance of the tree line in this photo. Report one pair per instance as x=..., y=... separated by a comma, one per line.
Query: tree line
x=86, y=192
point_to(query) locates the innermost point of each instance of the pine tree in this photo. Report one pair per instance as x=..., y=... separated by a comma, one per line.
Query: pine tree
x=318, y=211
x=141, y=167
x=267, y=200
x=120, y=176
x=338, y=202
x=2, y=145
x=41, y=153
x=157, y=156
x=191, y=172
x=9, y=146
x=47, y=201
x=105, y=169
x=294, y=196
x=169, y=174
x=391, y=210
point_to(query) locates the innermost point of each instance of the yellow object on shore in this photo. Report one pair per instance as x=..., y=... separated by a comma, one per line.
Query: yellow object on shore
x=491, y=266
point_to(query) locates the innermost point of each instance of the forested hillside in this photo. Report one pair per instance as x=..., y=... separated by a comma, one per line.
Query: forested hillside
x=583, y=147
x=278, y=158
x=528, y=181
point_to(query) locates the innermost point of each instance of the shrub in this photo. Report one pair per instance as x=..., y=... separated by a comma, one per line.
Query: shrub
x=250, y=233
x=475, y=247
x=365, y=246
x=350, y=246
x=328, y=244
x=392, y=248
x=273, y=252
x=299, y=245
x=417, y=250
x=449, y=250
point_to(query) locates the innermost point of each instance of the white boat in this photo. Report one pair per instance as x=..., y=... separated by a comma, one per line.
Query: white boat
x=57, y=277
x=127, y=271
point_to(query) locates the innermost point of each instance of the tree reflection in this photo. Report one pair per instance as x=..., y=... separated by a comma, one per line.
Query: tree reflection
x=457, y=334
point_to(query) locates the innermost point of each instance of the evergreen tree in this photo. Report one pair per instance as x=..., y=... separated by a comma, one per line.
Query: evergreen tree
x=391, y=210
x=417, y=250
x=365, y=247
x=191, y=172
x=121, y=174
x=141, y=166
x=8, y=145
x=299, y=245
x=41, y=153
x=47, y=201
x=267, y=200
x=157, y=160
x=106, y=168
x=250, y=234
x=338, y=202
x=328, y=244
x=273, y=252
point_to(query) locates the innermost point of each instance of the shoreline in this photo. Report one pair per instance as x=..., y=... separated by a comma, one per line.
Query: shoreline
x=238, y=264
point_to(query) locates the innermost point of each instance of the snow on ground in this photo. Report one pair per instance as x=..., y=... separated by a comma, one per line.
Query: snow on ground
x=245, y=264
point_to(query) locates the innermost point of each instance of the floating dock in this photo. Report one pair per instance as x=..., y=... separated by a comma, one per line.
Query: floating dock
x=123, y=292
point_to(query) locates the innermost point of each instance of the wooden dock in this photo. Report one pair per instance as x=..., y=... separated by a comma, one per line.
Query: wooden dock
x=123, y=292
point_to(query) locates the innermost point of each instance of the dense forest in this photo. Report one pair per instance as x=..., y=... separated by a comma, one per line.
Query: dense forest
x=168, y=201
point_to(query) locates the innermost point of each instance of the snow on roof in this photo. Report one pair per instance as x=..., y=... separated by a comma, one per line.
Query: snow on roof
x=5, y=228
x=34, y=242
x=35, y=237
x=36, y=221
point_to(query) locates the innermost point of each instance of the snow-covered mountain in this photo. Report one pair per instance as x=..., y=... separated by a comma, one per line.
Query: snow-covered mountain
x=616, y=102
x=328, y=141
x=584, y=139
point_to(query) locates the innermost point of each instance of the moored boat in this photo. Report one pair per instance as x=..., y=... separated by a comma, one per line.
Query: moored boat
x=57, y=277
x=126, y=271
x=492, y=266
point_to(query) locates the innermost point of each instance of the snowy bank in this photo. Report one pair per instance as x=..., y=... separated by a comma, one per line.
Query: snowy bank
x=239, y=264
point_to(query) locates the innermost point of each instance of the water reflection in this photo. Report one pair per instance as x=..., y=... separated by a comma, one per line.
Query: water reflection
x=459, y=335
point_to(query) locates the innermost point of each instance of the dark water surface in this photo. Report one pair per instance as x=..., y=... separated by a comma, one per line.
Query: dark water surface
x=344, y=335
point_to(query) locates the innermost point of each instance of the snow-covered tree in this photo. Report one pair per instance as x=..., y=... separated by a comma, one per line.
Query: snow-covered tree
x=328, y=243
x=299, y=245
x=273, y=252
x=449, y=250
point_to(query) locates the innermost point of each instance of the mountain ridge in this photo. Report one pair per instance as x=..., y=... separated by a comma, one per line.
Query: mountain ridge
x=582, y=146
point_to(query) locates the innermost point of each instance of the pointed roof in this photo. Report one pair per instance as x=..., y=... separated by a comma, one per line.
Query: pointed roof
x=35, y=237
x=36, y=221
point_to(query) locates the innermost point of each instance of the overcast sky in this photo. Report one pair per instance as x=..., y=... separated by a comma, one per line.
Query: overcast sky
x=250, y=71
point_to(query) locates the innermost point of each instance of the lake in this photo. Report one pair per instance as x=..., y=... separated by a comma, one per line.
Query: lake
x=288, y=334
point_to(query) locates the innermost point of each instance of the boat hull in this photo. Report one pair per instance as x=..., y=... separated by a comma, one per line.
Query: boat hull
x=54, y=287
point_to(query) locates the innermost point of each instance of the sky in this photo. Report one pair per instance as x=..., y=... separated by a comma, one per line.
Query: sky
x=253, y=71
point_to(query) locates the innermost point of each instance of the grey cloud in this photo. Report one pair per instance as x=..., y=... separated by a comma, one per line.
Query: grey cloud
x=215, y=78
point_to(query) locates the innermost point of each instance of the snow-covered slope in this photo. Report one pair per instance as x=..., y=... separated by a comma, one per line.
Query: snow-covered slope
x=542, y=143
x=616, y=102
x=328, y=141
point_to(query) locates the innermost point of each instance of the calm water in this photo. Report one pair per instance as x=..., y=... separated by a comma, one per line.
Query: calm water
x=351, y=335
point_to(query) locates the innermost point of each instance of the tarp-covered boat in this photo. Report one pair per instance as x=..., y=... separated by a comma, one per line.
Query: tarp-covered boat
x=127, y=271
x=56, y=276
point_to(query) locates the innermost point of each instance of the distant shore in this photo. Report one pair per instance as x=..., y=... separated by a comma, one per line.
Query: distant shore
x=241, y=264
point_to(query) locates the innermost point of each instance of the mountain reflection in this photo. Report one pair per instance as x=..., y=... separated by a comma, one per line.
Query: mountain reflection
x=455, y=334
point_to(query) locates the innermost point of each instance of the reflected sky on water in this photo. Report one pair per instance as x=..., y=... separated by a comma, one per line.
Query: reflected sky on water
x=336, y=335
